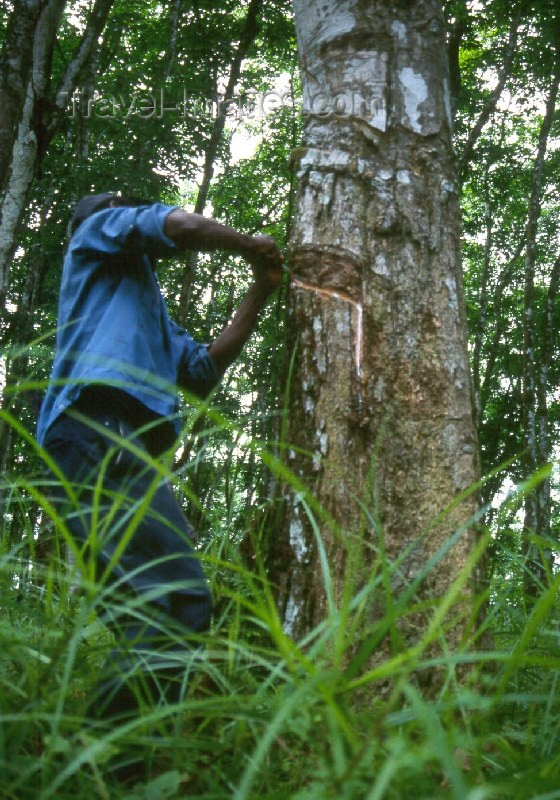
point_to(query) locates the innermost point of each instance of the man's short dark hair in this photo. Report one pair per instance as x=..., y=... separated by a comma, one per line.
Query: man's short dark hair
x=87, y=206
x=91, y=203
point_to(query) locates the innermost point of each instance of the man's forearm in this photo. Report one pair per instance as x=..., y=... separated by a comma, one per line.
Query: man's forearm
x=195, y=232
x=229, y=344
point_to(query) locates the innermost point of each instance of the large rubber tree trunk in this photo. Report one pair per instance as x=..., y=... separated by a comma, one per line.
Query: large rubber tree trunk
x=380, y=401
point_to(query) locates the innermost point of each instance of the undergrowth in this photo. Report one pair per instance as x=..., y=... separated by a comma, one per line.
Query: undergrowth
x=266, y=717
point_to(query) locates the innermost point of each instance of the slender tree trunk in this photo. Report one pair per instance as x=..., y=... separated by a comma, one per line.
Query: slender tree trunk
x=85, y=55
x=535, y=415
x=380, y=393
x=492, y=101
x=40, y=118
x=460, y=25
x=15, y=66
x=501, y=322
x=482, y=302
x=20, y=333
x=246, y=39
x=25, y=148
x=542, y=417
x=174, y=18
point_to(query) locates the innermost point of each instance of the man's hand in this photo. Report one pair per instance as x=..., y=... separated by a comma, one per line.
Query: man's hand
x=195, y=232
x=266, y=260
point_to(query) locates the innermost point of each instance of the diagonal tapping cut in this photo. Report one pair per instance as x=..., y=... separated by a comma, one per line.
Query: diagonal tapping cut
x=335, y=294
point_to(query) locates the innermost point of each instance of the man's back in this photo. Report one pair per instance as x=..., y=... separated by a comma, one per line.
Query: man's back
x=113, y=326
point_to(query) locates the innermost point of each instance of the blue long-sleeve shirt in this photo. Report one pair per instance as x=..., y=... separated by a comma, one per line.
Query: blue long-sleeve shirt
x=113, y=326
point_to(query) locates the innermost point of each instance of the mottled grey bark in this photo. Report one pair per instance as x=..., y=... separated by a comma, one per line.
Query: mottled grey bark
x=15, y=66
x=40, y=117
x=381, y=392
x=86, y=52
x=25, y=147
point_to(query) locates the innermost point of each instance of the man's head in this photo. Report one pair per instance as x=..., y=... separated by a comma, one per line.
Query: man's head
x=88, y=205
x=91, y=203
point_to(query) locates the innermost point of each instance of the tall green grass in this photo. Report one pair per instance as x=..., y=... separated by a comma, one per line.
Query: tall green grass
x=266, y=717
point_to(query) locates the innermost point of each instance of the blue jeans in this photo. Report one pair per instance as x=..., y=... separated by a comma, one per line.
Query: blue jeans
x=158, y=596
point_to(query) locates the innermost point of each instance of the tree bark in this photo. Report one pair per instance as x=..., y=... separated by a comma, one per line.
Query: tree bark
x=40, y=118
x=85, y=53
x=23, y=156
x=380, y=392
x=15, y=66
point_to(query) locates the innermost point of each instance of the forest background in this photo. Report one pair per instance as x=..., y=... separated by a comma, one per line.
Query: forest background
x=199, y=104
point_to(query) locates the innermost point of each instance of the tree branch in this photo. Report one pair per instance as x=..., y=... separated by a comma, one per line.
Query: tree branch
x=68, y=83
x=247, y=37
x=492, y=100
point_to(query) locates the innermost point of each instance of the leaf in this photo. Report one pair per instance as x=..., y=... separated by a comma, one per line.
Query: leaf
x=56, y=743
x=164, y=786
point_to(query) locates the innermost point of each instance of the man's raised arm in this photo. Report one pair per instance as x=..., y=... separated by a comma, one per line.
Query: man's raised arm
x=195, y=232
